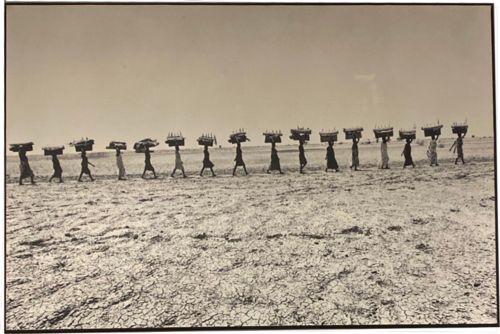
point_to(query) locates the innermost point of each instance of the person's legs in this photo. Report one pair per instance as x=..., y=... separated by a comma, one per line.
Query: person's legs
x=91, y=178
x=50, y=180
x=234, y=169
x=143, y=173
x=212, y=170
x=20, y=180
x=173, y=172
x=245, y=169
x=60, y=179
x=202, y=169
x=80, y=177
x=183, y=172
x=154, y=173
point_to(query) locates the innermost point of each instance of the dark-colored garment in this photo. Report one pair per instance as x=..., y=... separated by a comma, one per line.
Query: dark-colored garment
x=206, y=160
x=460, y=150
x=57, y=167
x=24, y=167
x=331, y=162
x=239, y=157
x=407, y=154
x=355, y=157
x=275, y=160
x=85, y=165
x=147, y=161
x=302, y=155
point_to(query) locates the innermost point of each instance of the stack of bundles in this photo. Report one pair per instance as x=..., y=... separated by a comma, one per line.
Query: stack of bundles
x=238, y=136
x=21, y=147
x=117, y=145
x=53, y=150
x=351, y=133
x=175, y=140
x=459, y=128
x=300, y=133
x=140, y=146
x=432, y=130
x=207, y=140
x=407, y=134
x=328, y=136
x=383, y=132
x=272, y=136
x=83, y=144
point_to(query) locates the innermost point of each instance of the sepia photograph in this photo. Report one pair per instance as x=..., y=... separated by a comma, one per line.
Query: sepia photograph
x=173, y=166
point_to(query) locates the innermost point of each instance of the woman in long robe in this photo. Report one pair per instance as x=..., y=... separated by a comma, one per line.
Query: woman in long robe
x=178, y=162
x=56, y=165
x=355, y=154
x=120, y=165
x=302, y=156
x=275, y=160
x=239, y=159
x=331, y=162
x=384, y=154
x=85, y=167
x=407, y=154
x=147, y=163
x=24, y=168
x=206, y=162
x=432, y=151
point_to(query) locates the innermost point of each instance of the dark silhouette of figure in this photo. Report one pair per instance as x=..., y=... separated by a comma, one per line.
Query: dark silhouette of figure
x=302, y=156
x=239, y=159
x=25, y=168
x=178, y=162
x=206, y=162
x=147, y=163
x=355, y=154
x=384, y=154
x=458, y=144
x=331, y=162
x=407, y=154
x=275, y=160
x=85, y=167
x=57, y=169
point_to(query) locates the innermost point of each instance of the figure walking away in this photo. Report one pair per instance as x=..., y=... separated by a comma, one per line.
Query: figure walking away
x=178, y=162
x=57, y=169
x=25, y=168
x=302, y=156
x=407, y=154
x=239, y=159
x=85, y=167
x=206, y=161
x=119, y=164
x=355, y=157
x=384, y=153
x=458, y=145
x=331, y=162
x=432, y=151
x=275, y=160
x=147, y=163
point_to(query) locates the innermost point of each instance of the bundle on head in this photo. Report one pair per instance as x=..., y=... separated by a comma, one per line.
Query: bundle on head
x=21, y=147
x=459, y=129
x=328, y=136
x=175, y=140
x=272, y=136
x=83, y=145
x=240, y=136
x=300, y=133
x=351, y=133
x=383, y=132
x=407, y=134
x=433, y=130
x=53, y=150
x=142, y=145
x=207, y=140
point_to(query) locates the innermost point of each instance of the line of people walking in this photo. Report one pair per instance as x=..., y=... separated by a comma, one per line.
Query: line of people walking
x=331, y=162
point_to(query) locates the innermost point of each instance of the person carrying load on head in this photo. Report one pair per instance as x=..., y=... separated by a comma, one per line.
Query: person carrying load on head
x=458, y=148
x=407, y=154
x=355, y=154
x=147, y=163
x=275, y=160
x=57, y=169
x=302, y=156
x=384, y=153
x=85, y=167
x=119, y=164
x=178, y=162
x=432, y=150
x=331, y=162
x=239, y=158
x=24, y=168
x=206, y=161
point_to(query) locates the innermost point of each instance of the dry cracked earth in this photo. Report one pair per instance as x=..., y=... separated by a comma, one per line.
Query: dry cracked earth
x=413, y=246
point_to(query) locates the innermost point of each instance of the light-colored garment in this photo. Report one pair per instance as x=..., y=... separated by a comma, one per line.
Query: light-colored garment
x=385, y=155
x=432, y=152
x=121, y=167
x=178, y=161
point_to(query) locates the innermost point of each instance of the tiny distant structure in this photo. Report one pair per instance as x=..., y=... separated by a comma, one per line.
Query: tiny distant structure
x=459, y=128
x=207, y=140
x=144, y=145
x=383, y=132
x=432, y=130
x=53, y=150
x=82, y=145
x=353, y=133
x=117, y=145
x=174, y=140
x=300, y=134
x=407, y=134
x=328, y=136
x=21, y=147
x=239, y=136
x=273, y=136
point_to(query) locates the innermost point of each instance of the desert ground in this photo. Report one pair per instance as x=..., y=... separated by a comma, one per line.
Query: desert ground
x=413, y=246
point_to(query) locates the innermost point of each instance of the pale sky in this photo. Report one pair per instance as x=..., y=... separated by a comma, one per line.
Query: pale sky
x=126, y=72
